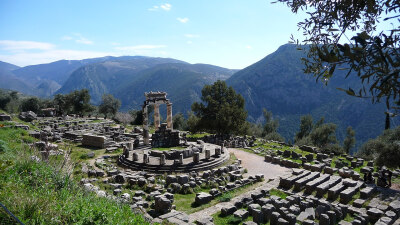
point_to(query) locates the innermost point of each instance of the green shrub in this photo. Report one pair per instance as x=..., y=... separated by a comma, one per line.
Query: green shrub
x=225, y=197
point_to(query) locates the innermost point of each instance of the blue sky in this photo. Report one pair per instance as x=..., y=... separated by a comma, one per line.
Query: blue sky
x=227, y=33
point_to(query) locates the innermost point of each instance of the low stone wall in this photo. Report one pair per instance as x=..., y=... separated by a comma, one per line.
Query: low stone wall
x=172, y=154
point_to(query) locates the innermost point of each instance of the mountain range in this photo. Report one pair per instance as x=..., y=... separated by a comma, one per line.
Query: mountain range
x=276, y=82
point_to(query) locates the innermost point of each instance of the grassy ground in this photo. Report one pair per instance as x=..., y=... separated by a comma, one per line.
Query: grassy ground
x=168, y=149
x=278, y=193
x=42, y=193
x=197, y=135
x=185, y=202
x=218, y=219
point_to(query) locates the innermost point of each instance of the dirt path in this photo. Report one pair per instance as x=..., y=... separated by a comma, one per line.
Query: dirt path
x=255, y=165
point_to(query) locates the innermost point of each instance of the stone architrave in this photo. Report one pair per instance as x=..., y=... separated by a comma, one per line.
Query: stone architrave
x=169, y=115
x=156, y=116
x=208, y=154
x=135, y=157
x=162, y=160
x=196, y=157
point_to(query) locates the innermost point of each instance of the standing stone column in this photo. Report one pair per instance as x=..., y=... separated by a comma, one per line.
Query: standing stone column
x=145, y=158
x=146, y=136
x=162, y=160
x=217, y=152
x=196, y=157
x=208, y=154
x=169, y=115
x=156, y=116
x=180, y=159
x=135, y=157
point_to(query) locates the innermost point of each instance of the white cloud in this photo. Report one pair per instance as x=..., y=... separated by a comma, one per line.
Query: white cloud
x=115, y=43
x=249, y=47
x=23, y=53
x=183, y=20
x=78, y=38
x=10, y=45
x=32, y=58
x=189, y=42
x=154, y=8
x=139, y=47
x=192, y=35
x=66, y=38
x=165, y=7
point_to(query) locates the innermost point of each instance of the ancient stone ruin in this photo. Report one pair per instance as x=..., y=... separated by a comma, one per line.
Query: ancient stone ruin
x=165, y=137
x=155, y=99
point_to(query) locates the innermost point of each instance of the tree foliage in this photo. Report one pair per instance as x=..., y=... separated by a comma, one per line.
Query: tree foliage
x=221, y=110
x=179, y=122
x=77, y=102
x=270, y=127
x=137, y=116
x=306, y=126
x=319, y=134
x=385, y=149
x=30, y=104
x=350, y=140
x=109, y=105
x=324, y=135
x=344, y=35
x=192, y=122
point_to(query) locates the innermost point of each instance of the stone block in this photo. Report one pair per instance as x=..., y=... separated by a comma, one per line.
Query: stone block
x=228, y=210
x=374, y=214
x=257, y=216
x=324, y=220
x=241, y=214
x=275, y=216
x=202, y=198
x=358, y=203
x=367, y=192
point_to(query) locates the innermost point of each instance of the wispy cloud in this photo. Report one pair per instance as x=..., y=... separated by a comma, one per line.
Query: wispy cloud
x=192, y=35
x=189, y=42
x=10, y=45
x=183, y=20
x=23, y=53
x=66, y=38
x=25, y=58
x=78, y=38
x=249, y=47
x=165, y=7
x=139, y=47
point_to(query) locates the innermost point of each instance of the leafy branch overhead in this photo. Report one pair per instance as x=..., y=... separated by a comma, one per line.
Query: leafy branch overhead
x=344, y=35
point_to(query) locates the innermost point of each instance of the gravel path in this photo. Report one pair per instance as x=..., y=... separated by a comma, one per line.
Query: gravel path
x=255, y=165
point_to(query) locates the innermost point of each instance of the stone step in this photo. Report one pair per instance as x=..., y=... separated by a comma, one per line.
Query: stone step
x=334, y=191
x=299, y=184
x=311, y=186
x=174, y=168
x=324, y=187
x=288, y=182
